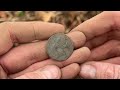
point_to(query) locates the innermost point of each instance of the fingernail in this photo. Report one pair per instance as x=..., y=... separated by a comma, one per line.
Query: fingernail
x=88, y=71
x=51, y=72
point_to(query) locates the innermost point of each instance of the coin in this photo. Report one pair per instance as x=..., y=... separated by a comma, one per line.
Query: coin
x=59, y=47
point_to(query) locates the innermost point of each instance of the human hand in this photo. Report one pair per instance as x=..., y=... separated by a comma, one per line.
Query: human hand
x=29, y=59
x=103, y=39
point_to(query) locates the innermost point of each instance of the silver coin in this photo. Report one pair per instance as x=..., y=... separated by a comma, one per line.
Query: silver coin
x=59, y=47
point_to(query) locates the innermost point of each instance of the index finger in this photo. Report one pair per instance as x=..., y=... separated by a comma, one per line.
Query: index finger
x=99, y=24
x=23, y=32
x=28, y=31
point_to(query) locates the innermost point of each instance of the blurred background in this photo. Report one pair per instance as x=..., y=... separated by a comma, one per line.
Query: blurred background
x=69, y=19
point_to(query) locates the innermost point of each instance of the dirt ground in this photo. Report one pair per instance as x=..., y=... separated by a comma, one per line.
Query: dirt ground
x=69, y=19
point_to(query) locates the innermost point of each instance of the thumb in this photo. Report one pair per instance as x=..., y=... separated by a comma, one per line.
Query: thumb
x=100, y=70
x=47, y=72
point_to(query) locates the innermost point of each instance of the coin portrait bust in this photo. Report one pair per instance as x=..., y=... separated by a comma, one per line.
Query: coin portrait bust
x=59, y=47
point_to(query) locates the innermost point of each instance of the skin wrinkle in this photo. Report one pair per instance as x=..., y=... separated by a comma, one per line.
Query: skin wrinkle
x=114, y=52
x=115, y=25
x=104, y=74
x=35, y=34
x=4, y=71
x=118, y=74
x=104, y=55
x=13, y=37
x=43, y=75
x=109, y=35
x=111, y=74
x=90, y=43
x=4, y=68
x=114, y=72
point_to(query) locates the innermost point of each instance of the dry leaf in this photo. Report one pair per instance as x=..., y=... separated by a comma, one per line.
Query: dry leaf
x=45, y=16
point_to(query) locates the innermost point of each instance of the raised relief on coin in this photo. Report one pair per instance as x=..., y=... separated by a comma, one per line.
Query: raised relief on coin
x=59, y=47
